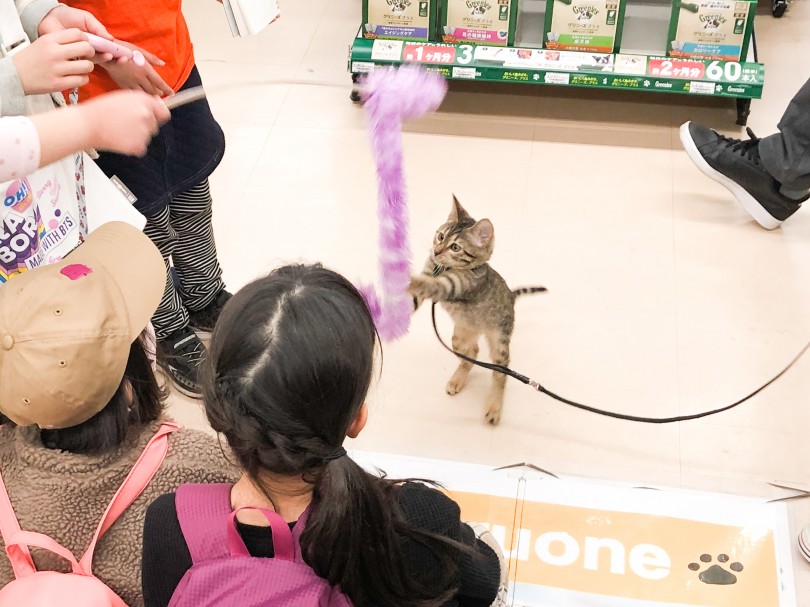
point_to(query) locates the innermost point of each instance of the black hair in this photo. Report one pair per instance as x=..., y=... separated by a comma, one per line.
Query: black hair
x=139, y=400
x=289, y=365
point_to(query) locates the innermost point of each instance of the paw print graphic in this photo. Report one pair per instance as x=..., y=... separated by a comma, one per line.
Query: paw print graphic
x=717, y=574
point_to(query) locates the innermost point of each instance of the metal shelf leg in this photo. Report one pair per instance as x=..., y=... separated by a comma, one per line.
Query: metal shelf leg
x=743, y=111
x=355, y=94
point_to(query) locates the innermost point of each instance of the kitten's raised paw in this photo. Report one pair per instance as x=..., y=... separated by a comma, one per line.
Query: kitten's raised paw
x=493, y=416
x=421, y=288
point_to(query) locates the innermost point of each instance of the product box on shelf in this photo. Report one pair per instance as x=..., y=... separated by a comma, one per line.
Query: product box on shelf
x=490, y=22
x=399, y=19
x=593, y=26
x=711, y=29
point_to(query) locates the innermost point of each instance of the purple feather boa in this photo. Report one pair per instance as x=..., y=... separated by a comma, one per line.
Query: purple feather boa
x=390, y=98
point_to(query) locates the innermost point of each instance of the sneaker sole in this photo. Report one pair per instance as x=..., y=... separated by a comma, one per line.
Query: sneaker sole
x=185, y=391
x=748, y=202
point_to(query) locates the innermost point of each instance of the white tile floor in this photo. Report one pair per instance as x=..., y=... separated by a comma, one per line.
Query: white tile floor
x=664, y=297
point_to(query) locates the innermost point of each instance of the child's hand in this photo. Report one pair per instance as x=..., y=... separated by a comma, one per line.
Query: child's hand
x=124, y=121
x=127, y=75
x=144, y=78
x=55, y=62
x=65, y=17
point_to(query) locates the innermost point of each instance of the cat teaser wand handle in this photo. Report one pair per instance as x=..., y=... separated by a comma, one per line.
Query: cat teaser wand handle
x=198, y=92
x=184, y=97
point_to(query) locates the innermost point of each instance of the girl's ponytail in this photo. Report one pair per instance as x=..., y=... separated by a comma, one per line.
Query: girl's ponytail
x=354, y=538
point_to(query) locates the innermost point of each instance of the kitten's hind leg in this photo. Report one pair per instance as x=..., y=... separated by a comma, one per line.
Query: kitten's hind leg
x=498, y=343
x=464, y=342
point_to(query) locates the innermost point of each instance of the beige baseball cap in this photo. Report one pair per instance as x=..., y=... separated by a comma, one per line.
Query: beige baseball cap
x=66, y=329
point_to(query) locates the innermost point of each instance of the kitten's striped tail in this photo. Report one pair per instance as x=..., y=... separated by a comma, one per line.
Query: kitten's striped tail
x=528, y=291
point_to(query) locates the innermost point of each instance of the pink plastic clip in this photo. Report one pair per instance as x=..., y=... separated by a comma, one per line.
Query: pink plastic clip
x=116, y=50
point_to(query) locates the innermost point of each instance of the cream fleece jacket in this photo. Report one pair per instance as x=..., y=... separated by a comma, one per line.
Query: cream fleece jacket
x=64, y=495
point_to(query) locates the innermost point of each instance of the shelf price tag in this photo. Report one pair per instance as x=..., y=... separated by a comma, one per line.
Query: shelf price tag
x=676, y=68
x=730, y=71
x=420, y=53
x=703, y=88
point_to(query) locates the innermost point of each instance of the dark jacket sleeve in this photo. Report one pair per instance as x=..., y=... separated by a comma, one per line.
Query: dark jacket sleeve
x=166, y=557
x=479, y=568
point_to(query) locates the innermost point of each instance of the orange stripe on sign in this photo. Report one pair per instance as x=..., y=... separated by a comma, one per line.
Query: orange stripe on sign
x=627, y=555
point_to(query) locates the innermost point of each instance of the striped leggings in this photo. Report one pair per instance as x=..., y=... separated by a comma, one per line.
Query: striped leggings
x=183, y=233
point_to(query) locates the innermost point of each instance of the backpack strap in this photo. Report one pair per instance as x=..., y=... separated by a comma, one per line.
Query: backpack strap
x=297, y=530
x=203, y=512
x=21, y=561
x=20, y=541
x=137, y=480
x=283, y=544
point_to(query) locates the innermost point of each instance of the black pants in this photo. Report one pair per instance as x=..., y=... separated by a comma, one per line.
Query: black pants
x=786, y=154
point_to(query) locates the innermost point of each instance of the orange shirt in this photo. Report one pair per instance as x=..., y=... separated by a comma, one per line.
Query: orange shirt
x=155, y=25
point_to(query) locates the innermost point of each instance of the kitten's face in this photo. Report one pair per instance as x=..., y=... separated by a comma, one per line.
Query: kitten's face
x=462, y=242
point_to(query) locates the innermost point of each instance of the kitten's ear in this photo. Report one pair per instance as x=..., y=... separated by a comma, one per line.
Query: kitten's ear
x=482, y=233
x=458, y=213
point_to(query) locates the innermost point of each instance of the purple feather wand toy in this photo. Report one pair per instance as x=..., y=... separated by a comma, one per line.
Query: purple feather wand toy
x=390, y=98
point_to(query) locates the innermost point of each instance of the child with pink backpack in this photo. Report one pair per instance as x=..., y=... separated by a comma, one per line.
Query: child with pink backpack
x=85, y=447
x=285, y=382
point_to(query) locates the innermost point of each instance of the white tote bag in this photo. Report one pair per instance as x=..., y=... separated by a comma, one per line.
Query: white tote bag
x=105, y=202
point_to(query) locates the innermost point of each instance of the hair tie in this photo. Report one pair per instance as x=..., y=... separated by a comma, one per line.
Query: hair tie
x=336, y=454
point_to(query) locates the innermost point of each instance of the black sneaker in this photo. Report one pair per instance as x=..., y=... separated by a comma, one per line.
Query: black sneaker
x=204, y=320
x=735, y=164
x=182, y=354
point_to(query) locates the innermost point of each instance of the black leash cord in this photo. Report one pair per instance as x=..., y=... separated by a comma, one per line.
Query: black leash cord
x=630, y=418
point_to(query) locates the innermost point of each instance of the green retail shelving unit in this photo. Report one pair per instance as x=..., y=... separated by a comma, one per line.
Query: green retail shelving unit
x=640, y=65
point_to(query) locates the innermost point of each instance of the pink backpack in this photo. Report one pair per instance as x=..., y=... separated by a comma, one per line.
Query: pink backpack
x=224, y=574
x=80, y=588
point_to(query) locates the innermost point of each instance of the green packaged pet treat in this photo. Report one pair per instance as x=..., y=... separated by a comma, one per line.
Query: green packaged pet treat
x=593, y=26
x=489, y=22
x=711, y=29
x=399, y=19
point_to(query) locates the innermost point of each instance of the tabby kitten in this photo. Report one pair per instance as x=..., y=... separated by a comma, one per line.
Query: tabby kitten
x=478, y=300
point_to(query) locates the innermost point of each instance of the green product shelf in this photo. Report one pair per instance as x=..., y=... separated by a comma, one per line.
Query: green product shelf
x=730, y=79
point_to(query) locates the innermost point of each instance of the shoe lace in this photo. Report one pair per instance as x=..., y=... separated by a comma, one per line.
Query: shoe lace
x=196, y=354
x=747, y=148
x=193, y=351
